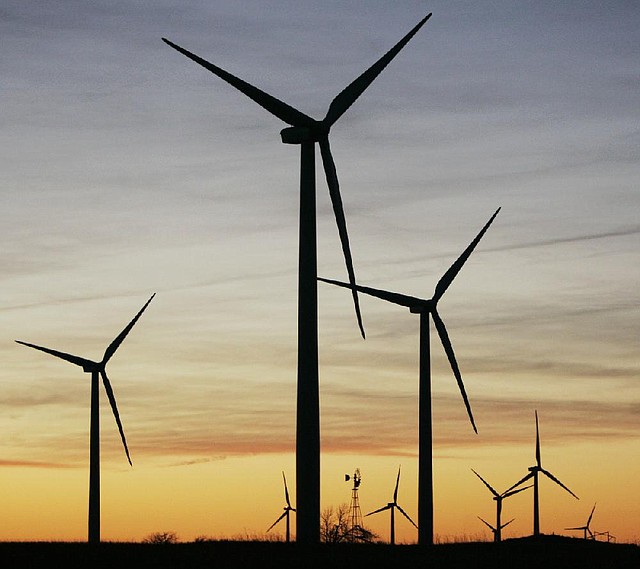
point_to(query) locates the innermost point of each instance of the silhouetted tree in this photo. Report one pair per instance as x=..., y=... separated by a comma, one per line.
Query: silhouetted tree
x=161, y=537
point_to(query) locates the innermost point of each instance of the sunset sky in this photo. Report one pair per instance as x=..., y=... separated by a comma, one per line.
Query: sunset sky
x=126, y=169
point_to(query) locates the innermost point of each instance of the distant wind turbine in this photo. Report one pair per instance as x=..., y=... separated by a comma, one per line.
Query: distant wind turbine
x=585, y=528
x=287, y=510
x=534, y=471
x=391, y=506
x=97, y=369
x=305, y=131
x=425, y=308
x=497, y=530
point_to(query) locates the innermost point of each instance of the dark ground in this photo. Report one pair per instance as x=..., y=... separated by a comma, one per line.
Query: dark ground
x=546, y=552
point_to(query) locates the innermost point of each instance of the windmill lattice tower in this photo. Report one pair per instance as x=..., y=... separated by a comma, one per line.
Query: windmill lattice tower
x=355, y=514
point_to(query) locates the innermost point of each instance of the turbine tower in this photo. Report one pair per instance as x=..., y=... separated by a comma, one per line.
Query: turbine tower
x=97, y=370
x=585, y=528
x=497, y=530
x=534, y=471
x=391, y=506
x=306, y=132
x=426, y=308
x=287, y=510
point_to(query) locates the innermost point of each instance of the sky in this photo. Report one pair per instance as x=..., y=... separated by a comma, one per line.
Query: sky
x=126, y=169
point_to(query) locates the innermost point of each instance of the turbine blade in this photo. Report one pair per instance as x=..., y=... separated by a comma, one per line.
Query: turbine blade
x=447, y=278
x=506, y=524
x=522, y=481
x=591, y=515
x=338, y=210
x=83, y=363
x=406, y=516
x=268, y=102
x=350, y=93
x=507, y=494
x=276, y=522
x=552, y=477
x=111, y=348
x=114, y=408
x=580, y=528
x=379, y=510
x=448, y=348
x=486, y=524
x=486, y=484
x=393, y=297
x=286, y=491
x=395, y=492
x=538, y=460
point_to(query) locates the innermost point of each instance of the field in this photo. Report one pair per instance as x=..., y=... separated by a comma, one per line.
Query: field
x=546, y=552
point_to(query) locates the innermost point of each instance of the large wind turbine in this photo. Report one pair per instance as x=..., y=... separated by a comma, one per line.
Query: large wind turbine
x=287, y=510
x=585, y=528
x=497, y=531
x=391, y=506
x=97, y=370
x=426, y=307
x=305, y=131
x=533, y=473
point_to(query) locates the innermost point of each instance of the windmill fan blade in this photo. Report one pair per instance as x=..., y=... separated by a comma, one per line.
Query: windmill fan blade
x=393, y=297
x=114, y=408
x=395, y=492
x=552, y=477
x=448, y=348
x=338, y=210
x=486, y=484
x=406, y=516
x=522, y=481
x=447, y=278
x=507, y=494
x=268, y=102
x=487, y=524
x=83, y=363
x=276, y=522
x=349, y=94
x=111, y=349
x=286, y=491
x=379, y=510
x=591, y=515
x=580, y=528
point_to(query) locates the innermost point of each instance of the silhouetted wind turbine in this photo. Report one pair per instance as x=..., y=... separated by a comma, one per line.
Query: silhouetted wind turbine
x=287, y=509
x=533, y=473
x=97, y=369
x=391, y=506
x=426, y=307
x=585, y=528
x=306, y=131
x=497, y=531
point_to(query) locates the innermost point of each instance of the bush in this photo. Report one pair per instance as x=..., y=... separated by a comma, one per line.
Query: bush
x=161, y=537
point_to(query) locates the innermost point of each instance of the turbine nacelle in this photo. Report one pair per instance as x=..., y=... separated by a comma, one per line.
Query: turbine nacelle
x=425, y=308
x=302, y=134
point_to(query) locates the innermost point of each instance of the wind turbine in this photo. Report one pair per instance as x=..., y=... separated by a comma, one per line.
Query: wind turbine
x=306, y=131
x=497, y=530
x=392, y=507
x=97, y=370
x=585, y=528
x=426, y=308
x=534, y=471
x=287, y=509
